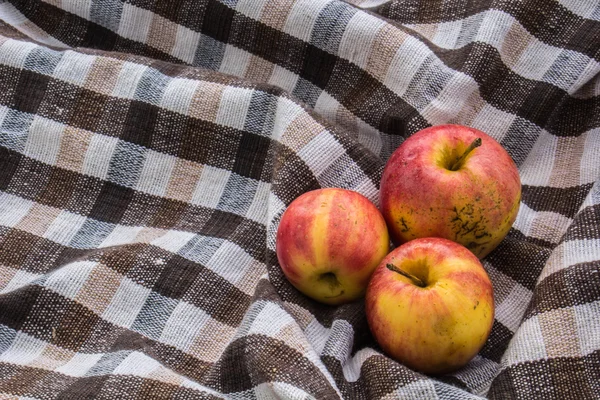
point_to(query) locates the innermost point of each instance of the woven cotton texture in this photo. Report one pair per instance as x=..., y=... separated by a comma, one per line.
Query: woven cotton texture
x=149, y=148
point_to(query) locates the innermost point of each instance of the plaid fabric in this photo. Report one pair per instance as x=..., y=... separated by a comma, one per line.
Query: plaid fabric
x=149, y=148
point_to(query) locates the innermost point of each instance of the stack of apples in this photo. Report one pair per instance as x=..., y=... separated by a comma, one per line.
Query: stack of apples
x=448, y=196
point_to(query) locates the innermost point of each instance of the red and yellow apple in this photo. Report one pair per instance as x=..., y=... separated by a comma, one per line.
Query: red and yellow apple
x=453, y=182
x=328, y=243
x=430, y=305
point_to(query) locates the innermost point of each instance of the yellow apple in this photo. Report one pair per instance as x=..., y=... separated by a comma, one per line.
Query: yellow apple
x=430, y=305
x=453, y=182
x=328, y=243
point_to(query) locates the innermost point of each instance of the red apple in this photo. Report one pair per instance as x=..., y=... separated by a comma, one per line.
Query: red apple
x=329, y=241
x=453, y=182
x=430, y=305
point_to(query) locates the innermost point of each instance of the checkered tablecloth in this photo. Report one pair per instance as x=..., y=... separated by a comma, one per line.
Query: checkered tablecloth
x=148, y=149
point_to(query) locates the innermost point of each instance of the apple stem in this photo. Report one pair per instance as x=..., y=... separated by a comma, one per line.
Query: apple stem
x=415, y=280
x=474, y=144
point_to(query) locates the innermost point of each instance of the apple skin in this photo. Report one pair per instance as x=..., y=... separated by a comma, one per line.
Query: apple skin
x=438, y=328
x=475, y=205
x=328, y=243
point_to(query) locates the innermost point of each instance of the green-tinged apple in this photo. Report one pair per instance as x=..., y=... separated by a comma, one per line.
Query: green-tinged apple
x=430, y=305
x=329, y=241
x=454, y=182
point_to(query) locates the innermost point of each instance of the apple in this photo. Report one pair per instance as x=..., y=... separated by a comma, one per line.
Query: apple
x=430, y=305
x=453, y=182
x=328, y=243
